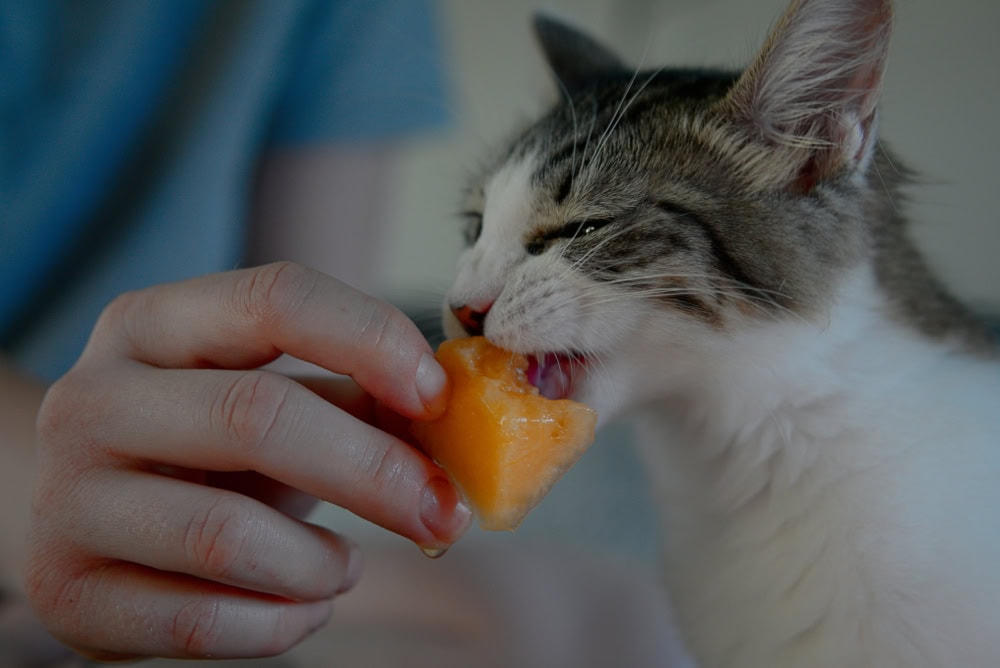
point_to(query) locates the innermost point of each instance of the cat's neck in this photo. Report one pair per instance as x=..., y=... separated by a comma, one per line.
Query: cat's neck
x=778, y=399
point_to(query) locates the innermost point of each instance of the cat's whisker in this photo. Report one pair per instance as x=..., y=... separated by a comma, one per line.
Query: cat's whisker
x=621, y=103
x=568, y=96
x=594, y=120
x=764, y=305
x=576, y=264
x=578, y=167
x=580, y=261
x=887, y=156
x=616, y=118
x=625, y=101
x=718, y=287
x=713, y=278
x=885, y=186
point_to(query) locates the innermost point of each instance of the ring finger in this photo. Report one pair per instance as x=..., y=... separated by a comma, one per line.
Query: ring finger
x=174, y=616
x=216, y=535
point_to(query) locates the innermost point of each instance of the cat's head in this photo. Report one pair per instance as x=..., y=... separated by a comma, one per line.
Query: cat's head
x=650, y=215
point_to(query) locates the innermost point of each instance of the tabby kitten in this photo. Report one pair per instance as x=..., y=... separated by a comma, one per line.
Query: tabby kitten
x=721, y=255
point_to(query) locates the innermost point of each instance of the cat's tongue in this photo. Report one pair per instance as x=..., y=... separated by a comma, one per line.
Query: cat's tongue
x=552, y=374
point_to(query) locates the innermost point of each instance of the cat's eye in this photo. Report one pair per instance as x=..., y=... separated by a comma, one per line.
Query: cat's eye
x=473, y=226
x=582, y=228
x=575, y=230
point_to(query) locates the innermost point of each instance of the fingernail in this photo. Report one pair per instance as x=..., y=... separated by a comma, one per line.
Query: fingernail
x=352, y=572
x=443, y=511
x=431, y=384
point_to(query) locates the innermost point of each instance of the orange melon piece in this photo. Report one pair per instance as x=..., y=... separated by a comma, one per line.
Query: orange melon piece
x=503, y=444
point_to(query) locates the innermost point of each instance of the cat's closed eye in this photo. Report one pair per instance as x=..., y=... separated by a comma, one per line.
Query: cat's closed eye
x=573, y=230
x=473, y=226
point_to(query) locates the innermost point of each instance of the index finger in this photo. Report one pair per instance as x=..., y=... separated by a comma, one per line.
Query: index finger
x=246, y=318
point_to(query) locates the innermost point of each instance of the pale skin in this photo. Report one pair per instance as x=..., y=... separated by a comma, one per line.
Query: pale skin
x=172, y=472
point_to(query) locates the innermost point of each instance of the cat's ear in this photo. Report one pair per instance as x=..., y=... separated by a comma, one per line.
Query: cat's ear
x=815, y=86
x=576, y=58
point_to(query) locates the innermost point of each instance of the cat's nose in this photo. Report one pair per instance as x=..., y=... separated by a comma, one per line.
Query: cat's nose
x=471, y=318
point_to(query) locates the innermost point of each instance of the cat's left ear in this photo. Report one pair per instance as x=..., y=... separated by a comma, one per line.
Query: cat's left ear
x=815, y=87
x=576, y=59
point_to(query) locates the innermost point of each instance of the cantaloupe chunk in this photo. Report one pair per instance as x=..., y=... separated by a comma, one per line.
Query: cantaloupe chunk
x=503, y=444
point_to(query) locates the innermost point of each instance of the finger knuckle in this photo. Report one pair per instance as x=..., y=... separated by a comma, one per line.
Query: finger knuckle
x=251, y=406
x=118, y=320
x=59, y=595
x=283, y=632
x=197, y=629
x=270, y=293
x=55, y=412
x=380, y=326
x=117, y=310
x=217, y=539
x=43, y=584
x=382, y=468
x=66, y=413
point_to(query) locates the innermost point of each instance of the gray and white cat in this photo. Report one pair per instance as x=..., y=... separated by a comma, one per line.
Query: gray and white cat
x=719, y=255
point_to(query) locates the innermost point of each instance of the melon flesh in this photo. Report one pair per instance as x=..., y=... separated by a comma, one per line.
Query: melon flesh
x=503, y=444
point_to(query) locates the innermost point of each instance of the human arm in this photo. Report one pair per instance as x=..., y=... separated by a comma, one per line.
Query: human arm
x=325, y=206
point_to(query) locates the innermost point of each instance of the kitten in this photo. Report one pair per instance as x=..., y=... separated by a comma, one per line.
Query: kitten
x=721, y=255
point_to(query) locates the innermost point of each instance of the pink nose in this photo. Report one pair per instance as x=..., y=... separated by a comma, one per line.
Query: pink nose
x=471, y=319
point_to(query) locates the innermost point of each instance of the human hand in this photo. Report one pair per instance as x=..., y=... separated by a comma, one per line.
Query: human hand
x=171, y=470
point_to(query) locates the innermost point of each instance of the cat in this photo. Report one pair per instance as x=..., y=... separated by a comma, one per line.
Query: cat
x=722, y=256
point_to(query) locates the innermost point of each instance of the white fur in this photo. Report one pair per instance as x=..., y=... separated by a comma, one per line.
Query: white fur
x=830, y=495
x=830, y=488
x=508, y=196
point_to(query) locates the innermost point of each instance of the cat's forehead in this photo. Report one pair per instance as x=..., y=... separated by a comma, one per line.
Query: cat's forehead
x=621, y=128
x=613, y=106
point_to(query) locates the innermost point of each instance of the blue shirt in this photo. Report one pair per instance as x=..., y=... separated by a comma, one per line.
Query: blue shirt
x=129, y=132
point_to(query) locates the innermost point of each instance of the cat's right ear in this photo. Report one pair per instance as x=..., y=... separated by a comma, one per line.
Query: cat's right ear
x=576, y=59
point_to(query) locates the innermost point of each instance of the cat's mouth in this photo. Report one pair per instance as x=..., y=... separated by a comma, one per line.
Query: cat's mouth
x=553, y=373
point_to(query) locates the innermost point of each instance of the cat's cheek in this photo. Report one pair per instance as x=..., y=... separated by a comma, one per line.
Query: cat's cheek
x=608, y=388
